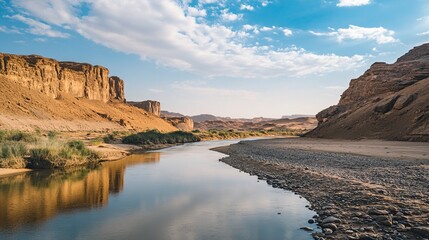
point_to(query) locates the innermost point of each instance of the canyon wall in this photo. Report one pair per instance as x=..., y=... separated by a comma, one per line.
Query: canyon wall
x=389, y=101
x=52, y=78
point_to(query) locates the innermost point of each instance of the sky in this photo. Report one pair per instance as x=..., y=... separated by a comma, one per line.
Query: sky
x=235, y=58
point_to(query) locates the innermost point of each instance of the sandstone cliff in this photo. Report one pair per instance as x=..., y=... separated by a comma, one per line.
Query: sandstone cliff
x=42, y=93
x=153, y=107
x=389, y=101
x=53, y=78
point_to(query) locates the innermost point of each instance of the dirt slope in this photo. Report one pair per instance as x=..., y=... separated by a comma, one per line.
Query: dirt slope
x=25, y=109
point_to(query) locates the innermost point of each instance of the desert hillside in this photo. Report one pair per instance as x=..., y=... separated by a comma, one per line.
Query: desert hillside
x=42, y=93
x=389, y=101
x=246, y=125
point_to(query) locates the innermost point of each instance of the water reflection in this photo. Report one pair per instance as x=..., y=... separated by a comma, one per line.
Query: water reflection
x=187, y=195
x=36, y=197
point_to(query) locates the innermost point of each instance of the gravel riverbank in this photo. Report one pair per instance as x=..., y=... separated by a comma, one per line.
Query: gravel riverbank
x=355, y=196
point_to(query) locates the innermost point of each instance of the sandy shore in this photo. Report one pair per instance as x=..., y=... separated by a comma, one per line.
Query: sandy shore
x=360, y=189
x=8, y=171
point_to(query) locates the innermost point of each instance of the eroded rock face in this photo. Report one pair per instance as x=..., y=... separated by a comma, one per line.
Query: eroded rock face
x=389, y=101
x=182, y=123
x=150, y=106
x=53, y=78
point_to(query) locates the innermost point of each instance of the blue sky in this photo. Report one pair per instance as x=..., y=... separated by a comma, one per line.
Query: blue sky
x=245, y=58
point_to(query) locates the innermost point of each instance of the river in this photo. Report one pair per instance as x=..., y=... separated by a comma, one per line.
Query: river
x=182, y=192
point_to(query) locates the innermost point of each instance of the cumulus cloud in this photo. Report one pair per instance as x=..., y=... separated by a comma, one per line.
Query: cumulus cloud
x=39, y=28
x=380, y=35
x=228, y=16
x=246, y=7
x=195, y=12
x=353, y=3
x=265, y=3
x=164, y=32
x=287, y=32
x=265, y=29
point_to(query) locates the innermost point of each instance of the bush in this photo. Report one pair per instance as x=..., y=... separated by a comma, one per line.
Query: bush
x=12, y=155
x=17, y=136
x=71, y=154
x=156, y=137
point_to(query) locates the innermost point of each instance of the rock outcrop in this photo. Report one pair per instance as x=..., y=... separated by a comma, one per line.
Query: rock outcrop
x=53, y=78
x=150, y=106
x=389, y=101
x=182, y=123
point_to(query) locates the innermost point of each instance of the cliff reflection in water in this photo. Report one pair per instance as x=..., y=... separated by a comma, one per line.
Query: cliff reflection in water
x=36, y=197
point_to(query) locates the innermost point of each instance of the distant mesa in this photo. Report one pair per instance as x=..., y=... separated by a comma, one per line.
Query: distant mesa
x=294, y=116
x=389, y=101
x=170, y=114
x=150, y=106
x=176, y=119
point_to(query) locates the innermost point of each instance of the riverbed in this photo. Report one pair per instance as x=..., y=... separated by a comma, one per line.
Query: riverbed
x=182, y=192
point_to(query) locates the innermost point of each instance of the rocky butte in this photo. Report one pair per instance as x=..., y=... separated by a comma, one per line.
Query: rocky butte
x=150, y=106
x=52, y=78
x=181, y=122
x=389, y=101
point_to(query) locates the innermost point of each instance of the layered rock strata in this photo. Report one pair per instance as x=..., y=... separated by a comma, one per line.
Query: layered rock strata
x=150, y=106
x=389, y=101
x=52, y=78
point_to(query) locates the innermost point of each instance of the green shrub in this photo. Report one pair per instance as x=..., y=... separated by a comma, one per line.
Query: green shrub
x=155, y=137
x=17, y=136
x=52, y=134
x=12, y=155
x=109, y=138
x=71, y=154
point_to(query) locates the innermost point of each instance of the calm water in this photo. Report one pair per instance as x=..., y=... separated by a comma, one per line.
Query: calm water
x=182, y=192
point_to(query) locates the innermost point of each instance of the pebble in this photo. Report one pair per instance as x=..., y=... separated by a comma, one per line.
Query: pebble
x=327, y=231
x=308, y=229
x=330, y=219
x=330, y=226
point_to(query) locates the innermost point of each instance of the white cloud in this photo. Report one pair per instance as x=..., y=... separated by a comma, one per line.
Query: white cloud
x=353, y=3
x=265, y=3
x=207, y=1
x=195, y=12
x=9, y=30
x=265, y=29
x=39, y=28
x=380, y=35
x=246, y=7
x=40, y=39
x=423, y=33
x=287, y=32
x=171, y=38
x=253, y=28
x=227, y=16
